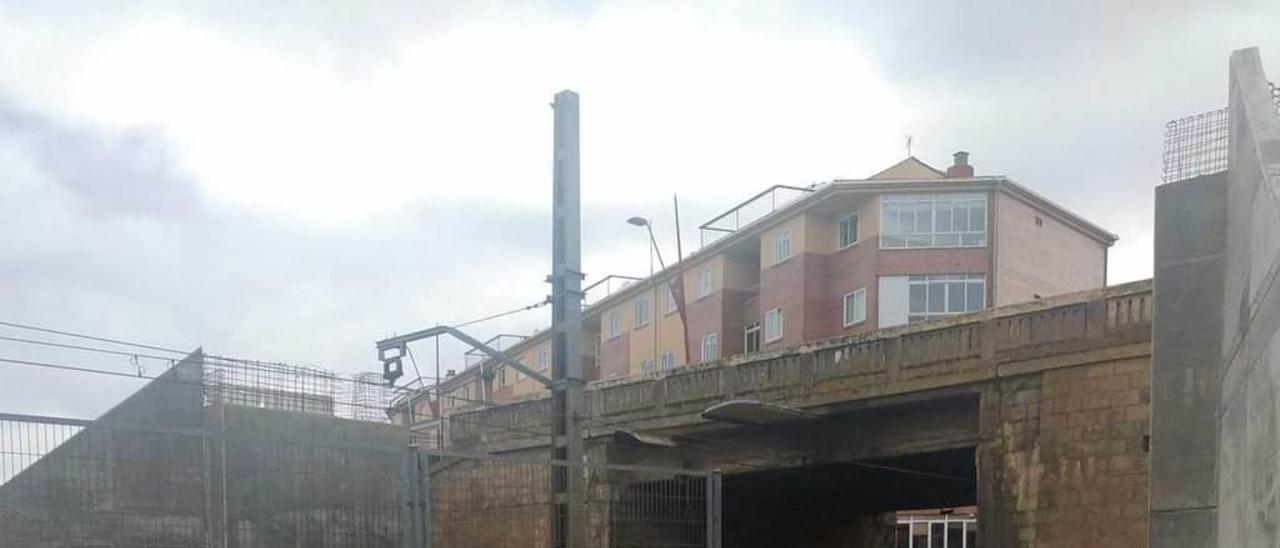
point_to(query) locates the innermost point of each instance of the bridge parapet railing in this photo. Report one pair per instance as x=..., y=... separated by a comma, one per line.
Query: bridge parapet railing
x=938, y=345
x=859, y=358
x=1042, y=326
x=694, y=385
x=1070, y=323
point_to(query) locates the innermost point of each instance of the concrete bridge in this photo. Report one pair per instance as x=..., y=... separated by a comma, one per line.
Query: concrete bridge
x=1038, y=414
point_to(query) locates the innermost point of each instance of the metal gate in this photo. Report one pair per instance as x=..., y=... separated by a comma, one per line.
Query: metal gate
x=471, y=499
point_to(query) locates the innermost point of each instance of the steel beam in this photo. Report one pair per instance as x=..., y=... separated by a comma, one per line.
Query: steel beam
x=400, y=342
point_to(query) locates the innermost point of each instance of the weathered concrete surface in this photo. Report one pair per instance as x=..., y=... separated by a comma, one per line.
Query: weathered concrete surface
x=1063, y=459
x=1190, y=250
x=1249, y=443
x=1216, y=462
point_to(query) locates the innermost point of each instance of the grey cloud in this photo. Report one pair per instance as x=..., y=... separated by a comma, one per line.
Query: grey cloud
x=125, y=173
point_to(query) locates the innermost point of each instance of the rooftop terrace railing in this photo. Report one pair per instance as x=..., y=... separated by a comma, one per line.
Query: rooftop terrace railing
x=749, y=211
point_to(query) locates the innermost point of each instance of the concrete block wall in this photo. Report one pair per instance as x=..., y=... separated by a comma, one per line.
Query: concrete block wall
x=1063, y=460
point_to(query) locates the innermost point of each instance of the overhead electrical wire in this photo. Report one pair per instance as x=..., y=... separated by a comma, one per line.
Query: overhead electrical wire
x=538, y=304
x=92, y=338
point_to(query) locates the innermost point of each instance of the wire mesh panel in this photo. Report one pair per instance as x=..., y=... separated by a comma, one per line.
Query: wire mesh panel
x=292, y=479
x=499, y=502
x=287, y=387
x=654, y=509
x=1195, y=146
x=66, y=483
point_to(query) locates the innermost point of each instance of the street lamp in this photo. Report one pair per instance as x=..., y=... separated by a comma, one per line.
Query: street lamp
x=653, y=311
x=641, y=221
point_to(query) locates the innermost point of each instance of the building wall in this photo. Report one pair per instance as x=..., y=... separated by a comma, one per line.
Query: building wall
x=809, y=287
x=663, y=332
x=1043, y=259
x=705, y=314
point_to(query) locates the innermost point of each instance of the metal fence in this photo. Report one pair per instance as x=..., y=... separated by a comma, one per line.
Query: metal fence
x=749, y=211
x=246, y=480
x=244, y=477
x=66, y=483
x=500, y=502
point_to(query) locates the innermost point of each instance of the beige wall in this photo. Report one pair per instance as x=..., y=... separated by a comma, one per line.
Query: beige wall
x=1048, y=259
x=669, y=335
x=525, y=386
x=797, y=226
x=716, y=264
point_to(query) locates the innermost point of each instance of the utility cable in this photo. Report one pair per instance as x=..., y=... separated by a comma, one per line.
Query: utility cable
x=92, y=338
x=539, y=304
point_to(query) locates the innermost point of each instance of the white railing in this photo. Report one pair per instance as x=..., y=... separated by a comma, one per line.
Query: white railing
x=925, y=525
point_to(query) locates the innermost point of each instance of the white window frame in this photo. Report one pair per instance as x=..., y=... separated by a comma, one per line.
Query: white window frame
x=670, y=306
x=615, y=324
x=782, y=246
x=850, y=219
x=860, y=293
x=646, y=367
x=937, y=233
x=752, y=328
x=778, y=325
x=710, y=347
x=948, y=282
x=544, y=358
x=668, y=361
x=643, y=311
x=705, y=283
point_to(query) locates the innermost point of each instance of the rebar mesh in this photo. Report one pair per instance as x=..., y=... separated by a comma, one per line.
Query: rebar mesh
x=1195, y=146
x=268, y=385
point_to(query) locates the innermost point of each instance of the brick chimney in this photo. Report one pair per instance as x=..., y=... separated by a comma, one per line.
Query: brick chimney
x=961, y=168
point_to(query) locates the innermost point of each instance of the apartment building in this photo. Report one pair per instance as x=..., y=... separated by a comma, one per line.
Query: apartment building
x=911, y=243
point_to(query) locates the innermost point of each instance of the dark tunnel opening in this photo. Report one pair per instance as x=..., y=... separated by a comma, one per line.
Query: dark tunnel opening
x=844, y=504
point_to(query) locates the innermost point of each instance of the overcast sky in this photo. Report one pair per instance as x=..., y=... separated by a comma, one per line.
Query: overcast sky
x=292, y=181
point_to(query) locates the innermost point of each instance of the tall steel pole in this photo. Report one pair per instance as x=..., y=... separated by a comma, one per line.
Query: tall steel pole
x=568, y=514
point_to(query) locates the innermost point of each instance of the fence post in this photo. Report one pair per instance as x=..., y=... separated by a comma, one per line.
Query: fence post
x=412, y=490
x=424, y=490
x=713, y=509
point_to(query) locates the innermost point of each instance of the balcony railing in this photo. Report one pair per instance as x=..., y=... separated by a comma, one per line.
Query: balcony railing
x=753, y=209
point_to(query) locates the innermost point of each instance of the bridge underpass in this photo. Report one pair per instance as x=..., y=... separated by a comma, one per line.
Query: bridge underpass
x=1045, y=406
x=832, y=481
x=843, y=505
